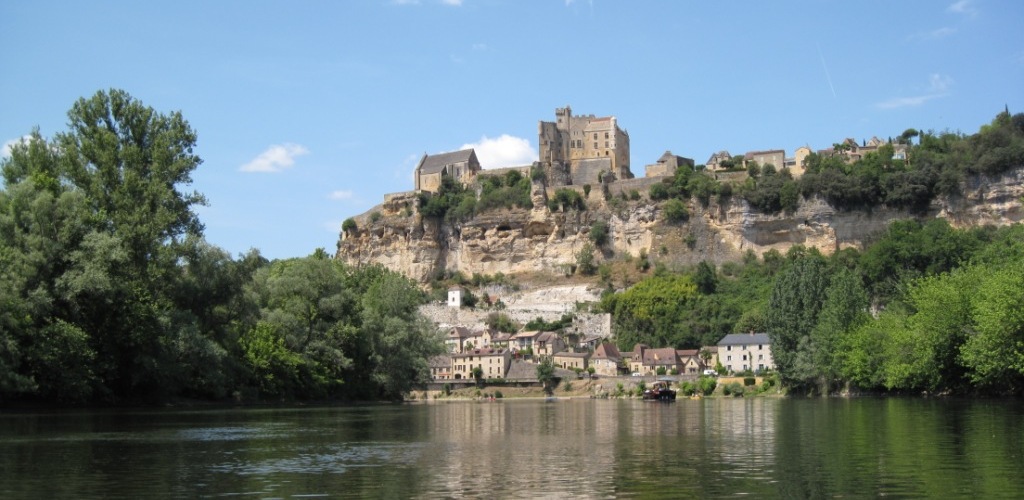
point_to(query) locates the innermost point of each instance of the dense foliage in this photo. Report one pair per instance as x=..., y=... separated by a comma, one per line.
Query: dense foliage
x=455, y=202
x=108, y=293
x=950, y=305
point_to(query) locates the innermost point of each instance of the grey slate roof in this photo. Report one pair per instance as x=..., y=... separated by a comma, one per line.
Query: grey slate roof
x=431, y=164
x=745, y=338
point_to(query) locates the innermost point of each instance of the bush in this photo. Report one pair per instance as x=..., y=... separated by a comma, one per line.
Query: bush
x=661, y=370
x=498, y=395
x=675, y=211
x=599, y=232
x=658, y=192
x=349, y=225
x=749, y=381
x=707, y=385
x=734, y=389
x=566, y=199
x=585, y=260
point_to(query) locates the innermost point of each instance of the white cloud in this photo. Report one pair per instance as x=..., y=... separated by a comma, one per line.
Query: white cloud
x=341, y=194
x=5, y=152
x=934, y=34
x=276, y=158
x=503, y=151
x=405, y=2
x=480, y=46
x=963, y=7
x=453, y=3
x=938, y=86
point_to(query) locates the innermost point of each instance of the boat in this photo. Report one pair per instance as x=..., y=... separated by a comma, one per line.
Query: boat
x=660, y=391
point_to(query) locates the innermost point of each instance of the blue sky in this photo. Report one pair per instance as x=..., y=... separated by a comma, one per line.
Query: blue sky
x=308, y=112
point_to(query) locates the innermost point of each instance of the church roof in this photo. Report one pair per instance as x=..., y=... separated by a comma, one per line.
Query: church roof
x=432, y=164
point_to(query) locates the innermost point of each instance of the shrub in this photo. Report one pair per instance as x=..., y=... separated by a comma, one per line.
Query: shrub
x=349, y=225
x=599, y=232
x=658, y=192
x=585, y=260
x=661, y=370
x=707, y=385
x=586, y=190
x=675, y=211
x=498, y=395
x=634, y=195
x=749, y=381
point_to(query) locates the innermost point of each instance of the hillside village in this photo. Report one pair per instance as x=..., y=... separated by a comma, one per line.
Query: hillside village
x=586, y=150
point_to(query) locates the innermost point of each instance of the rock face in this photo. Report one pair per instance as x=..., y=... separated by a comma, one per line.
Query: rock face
x=520, y=241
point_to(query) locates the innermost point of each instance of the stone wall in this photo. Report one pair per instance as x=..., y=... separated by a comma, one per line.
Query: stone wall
x=587, y=171
x=641, y=184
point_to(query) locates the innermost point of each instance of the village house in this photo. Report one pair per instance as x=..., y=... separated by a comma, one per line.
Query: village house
x=571, y=360
x=493, y=363
x=746, y=351
x=717, y=161
x=690, y=362
x=548, y=344
x=523, y=340
x=709, y=355
x=667, y=165
x=606, y=359
x=774, y=157
x=440, y=367
x=852, y=152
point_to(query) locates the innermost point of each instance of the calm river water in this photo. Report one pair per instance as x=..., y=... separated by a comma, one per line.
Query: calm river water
x=775, y=448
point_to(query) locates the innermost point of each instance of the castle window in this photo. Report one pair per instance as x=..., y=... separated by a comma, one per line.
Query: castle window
x=595, y=136
x=595, y=145
x=606, y=135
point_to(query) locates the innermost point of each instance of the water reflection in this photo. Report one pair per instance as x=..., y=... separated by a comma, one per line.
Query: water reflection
x=581, y=448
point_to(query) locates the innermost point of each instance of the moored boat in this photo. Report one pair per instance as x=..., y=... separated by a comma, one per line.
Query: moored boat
x=660, y=391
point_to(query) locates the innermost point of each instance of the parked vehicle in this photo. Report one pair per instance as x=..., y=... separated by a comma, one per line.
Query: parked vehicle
x=711, y=373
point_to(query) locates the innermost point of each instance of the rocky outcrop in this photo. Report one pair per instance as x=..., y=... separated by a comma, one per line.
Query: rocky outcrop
x=521, y=241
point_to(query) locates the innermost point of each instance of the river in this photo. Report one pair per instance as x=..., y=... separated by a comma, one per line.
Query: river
x=760, y=447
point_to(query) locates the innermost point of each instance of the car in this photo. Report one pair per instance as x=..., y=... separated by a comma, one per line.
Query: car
x=711, y=373
x=638, y=374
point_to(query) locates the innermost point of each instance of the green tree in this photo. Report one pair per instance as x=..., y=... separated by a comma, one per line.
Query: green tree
x=599, y=233
x=546, y=375
x=792, y=314
x=585, y=260
x=994, y=351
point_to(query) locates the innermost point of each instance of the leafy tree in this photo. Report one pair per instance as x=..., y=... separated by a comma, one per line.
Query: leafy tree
x=994, y=352
x=349, y=225
x=585, y=260
x=792, y=315
x=546, y=375
x=705, y=277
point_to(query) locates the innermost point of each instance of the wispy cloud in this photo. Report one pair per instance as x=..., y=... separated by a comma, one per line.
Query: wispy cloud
x=965, y=7
x=5, y=152
x=276, y=158
x=453, y=3
x=480, y=47
x=405, y=2
x=503, y=151
x=938, y=86
x=933, y=34
x=341, y=194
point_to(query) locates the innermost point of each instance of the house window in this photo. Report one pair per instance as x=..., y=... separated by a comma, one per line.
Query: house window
x=759, y=347
x=760, y=357
x=728, y=348
x=744, y=357
x=728, y=358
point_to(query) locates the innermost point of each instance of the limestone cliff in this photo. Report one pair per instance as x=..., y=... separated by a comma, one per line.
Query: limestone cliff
x=519, y=241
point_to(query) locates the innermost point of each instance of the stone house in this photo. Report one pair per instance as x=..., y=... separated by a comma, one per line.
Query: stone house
x=746, y=351
x=548, y=344
x=457, y=339
x=523, y=340
x=460, y=165
x=774, y=157
x=571, y=360
x=493, y=363
x=665, y=357
x=690, y=362
x=606, y=359
x=440, y=367
x=712, y=356
x=716, y=162
x=795, y=164
x=667, y=165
